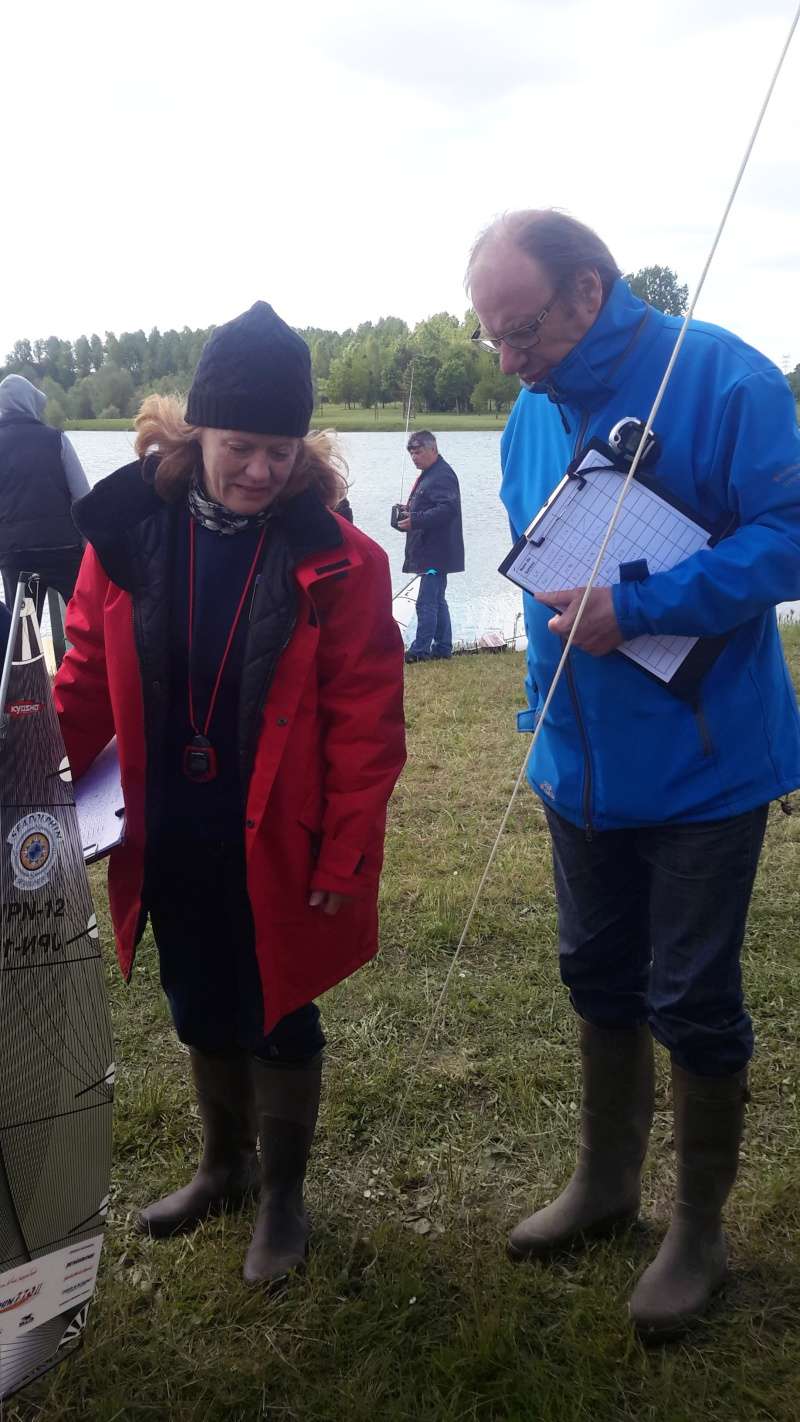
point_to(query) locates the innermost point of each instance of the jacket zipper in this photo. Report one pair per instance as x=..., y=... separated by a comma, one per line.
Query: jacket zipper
x=581, y=432
x=702, y=726
x=573, y=690
x=252, y=737
x=152, y=691
x=587, y=755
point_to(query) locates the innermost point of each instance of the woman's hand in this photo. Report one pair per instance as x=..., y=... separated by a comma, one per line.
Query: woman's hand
x=329, y=903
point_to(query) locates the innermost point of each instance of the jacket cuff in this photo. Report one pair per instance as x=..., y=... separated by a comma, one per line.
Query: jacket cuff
x=629, y=617
x=338, y=869
x=526, y=720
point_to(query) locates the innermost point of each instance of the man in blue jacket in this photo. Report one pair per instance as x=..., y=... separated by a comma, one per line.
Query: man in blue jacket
x=434, y=546
x=656, y=805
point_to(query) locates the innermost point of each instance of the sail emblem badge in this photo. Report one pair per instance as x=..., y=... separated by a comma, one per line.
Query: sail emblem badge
x=34, y=844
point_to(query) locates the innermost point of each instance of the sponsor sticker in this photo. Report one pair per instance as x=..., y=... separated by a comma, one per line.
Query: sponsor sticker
x=48, y=1286
x=24, y=708
x=34, y=844
x=24, y=1296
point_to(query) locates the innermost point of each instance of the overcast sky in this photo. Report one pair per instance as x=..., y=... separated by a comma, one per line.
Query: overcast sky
x=167, y=164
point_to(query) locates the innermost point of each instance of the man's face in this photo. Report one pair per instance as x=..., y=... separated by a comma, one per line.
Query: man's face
x=423, y=455
x=510, y=290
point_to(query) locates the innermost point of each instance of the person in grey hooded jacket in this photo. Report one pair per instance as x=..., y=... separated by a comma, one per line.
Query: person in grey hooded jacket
x=40, y=476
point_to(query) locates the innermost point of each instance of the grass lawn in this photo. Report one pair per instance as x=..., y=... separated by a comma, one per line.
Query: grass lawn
x=340, y=417
x=393, y=417
x=409, y=1309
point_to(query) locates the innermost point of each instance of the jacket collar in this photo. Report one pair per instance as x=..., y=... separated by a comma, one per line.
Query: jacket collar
x=423, y=473
x=586, y=378
x=112, y=517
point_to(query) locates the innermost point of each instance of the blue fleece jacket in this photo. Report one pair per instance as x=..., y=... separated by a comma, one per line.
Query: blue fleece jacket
x=618, y=748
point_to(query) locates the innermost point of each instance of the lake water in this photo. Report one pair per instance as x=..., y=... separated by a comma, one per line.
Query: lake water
x=480, y=600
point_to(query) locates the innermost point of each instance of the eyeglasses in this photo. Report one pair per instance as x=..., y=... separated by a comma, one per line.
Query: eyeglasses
x=521, y=338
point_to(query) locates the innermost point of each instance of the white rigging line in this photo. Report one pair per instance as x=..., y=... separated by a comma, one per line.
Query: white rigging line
x=409, y=584
x=414, y=1072
x=405, y=436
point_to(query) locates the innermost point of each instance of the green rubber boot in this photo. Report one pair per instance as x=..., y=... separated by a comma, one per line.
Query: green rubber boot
x=691, y=1265
x=227, y=1175
x=616, y=1115
x=287, y=1104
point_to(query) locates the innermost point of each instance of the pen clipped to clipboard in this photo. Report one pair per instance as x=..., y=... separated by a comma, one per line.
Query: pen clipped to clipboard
x=654, y=533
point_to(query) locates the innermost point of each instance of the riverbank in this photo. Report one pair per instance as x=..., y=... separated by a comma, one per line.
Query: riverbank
x=351, y=420
x=410, y=1311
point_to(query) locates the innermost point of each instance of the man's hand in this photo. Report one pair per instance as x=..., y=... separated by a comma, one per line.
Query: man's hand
x=404, y=524
x=329, y=903
x=598, y=630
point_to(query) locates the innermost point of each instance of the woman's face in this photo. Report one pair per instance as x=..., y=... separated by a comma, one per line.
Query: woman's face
x=246, y=472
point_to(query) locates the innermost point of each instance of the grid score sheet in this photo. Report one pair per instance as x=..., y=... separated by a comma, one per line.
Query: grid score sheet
x=571, y=528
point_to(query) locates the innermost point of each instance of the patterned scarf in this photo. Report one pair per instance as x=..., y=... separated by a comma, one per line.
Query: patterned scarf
x=216, y=517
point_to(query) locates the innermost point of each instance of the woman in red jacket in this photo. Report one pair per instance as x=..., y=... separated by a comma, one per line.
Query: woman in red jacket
x=238, y=638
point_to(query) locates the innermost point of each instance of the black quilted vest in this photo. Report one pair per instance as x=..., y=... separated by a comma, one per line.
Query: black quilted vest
x=35, y=501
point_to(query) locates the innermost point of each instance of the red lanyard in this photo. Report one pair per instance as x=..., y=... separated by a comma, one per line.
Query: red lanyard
x=231, y=634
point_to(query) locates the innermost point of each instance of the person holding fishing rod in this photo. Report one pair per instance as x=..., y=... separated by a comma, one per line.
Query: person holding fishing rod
x=431, y=521
x=237, y=636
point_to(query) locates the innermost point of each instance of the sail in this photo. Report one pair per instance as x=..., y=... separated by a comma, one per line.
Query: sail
x=56, y=1065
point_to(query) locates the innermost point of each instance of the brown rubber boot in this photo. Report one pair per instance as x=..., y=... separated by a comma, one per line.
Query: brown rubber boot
x=287, y=1103
x=228, y=1171
x=677, y=1288
x=616, y=1116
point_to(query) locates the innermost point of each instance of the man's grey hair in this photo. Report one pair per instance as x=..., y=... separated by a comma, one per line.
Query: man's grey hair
x=563, y=245
x=422, y=439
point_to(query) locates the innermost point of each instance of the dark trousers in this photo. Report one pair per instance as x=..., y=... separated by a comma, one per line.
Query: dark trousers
x=434, y=634
x=57, y=568
x=203, y=927
x=651, y=924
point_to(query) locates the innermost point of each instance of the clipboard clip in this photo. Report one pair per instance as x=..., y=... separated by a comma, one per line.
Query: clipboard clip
x=573, y=472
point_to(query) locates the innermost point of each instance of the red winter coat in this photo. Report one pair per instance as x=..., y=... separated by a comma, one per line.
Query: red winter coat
x=329, y=747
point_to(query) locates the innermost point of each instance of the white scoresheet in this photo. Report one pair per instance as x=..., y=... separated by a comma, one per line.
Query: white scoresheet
x=563, y=541
x=100, y=805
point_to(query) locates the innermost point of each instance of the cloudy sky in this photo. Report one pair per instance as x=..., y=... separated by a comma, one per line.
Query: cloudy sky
x=167, y=164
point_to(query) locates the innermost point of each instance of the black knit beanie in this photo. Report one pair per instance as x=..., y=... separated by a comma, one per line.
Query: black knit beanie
x=254, y=374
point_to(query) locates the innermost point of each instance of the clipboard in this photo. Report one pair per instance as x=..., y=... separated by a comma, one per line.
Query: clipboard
x=100, y=805
x=655, y=533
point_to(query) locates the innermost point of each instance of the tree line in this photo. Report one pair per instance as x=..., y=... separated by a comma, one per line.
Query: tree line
x=377, y=363
x=373, y=364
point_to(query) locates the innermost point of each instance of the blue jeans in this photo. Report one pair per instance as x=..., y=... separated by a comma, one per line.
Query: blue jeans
x=651, y=924
x=433, y=619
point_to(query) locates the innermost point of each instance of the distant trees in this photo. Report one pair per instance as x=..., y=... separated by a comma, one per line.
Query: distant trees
x=366, y=366
x=372, y=365
x=92, y=377
x=660, y=287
